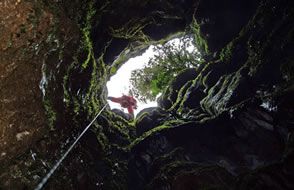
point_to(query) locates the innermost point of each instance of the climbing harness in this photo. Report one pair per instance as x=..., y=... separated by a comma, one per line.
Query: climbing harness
x=49, y=174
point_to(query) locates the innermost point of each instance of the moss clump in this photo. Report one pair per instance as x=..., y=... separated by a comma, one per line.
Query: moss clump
x=86, y=31
x=113, y=70
x=227, y=52
x=50, y=113
x=174, y=123
x=132, y=30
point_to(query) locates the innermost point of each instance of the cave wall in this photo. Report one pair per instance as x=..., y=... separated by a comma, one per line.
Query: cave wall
x=54, y=57
x=34, y=41
x=210, y=130
x=221, y=129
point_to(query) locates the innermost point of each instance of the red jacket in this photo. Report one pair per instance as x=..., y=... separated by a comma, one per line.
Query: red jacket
x=126, y=102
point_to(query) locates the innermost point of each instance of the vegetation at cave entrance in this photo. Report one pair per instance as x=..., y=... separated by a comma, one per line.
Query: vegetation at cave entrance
x=170, y=59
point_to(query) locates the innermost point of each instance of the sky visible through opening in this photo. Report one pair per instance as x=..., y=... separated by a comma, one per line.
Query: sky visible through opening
x=119, y=83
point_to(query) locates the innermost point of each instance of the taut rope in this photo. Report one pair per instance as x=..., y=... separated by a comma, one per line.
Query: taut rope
x=50, y=173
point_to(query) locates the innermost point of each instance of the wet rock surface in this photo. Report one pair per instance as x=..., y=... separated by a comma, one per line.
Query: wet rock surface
x=22, y=116
x=226, y=125
x=229, y=117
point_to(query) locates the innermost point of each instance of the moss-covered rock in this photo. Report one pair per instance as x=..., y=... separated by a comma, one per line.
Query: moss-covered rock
x=226, y=125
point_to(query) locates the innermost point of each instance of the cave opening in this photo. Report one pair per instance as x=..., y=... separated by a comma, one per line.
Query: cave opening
x=120, y=84
x=156, y=67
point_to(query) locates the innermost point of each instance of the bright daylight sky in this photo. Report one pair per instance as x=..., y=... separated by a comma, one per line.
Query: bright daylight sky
x=120, y=82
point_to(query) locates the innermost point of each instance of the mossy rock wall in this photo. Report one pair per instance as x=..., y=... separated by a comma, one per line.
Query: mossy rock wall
x=227, y=125
x=228, y=116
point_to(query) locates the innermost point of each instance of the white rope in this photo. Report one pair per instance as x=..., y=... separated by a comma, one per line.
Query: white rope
x=49, y=174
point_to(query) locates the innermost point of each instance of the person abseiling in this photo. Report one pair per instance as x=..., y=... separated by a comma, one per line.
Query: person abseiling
x=125, y=101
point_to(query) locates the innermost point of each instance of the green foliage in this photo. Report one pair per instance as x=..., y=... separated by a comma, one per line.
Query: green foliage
x=169, y=60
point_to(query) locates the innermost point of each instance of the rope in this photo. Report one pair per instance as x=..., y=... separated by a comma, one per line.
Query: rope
x=50, y=173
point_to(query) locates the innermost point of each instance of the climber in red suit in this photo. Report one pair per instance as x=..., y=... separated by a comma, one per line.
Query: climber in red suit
x=126, y=102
